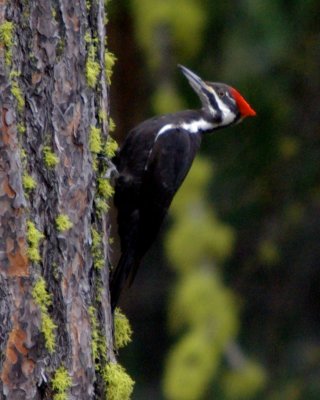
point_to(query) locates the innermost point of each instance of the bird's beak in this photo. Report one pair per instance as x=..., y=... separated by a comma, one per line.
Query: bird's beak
x=197, y=84
x=194, y=80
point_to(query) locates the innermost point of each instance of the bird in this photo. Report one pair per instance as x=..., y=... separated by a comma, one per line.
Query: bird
x=153, y=162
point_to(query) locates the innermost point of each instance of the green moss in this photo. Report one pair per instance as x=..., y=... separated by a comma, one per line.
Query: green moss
x=110, y=147
x=18, y=95
x=122, y=329
x=28, y=182
x=61, y=383
x=109, y=60
x=99, y=291
x=95, y=142
x=112, y=125
x=54, y=12
x=21, y=128
x=101, y=205
x=98, y=344
x=92, y=66
x=63, y=223
x=92, y=72
x=43, y=299
x=119, y=384
x=104, y=188
x=60, y=396
x=33, y=254
x=94, y=333
x=23, y=155
x=102, y=115
x=40, y=295
x=48, y=328
x=6, y=40
x=33, y=238
x=97, y=250
x=50, y=159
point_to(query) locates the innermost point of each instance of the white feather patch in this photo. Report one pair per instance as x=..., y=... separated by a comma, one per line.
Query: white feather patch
x=194, y=126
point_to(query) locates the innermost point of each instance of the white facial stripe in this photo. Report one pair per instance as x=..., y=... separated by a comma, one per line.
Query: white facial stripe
x=227, y=115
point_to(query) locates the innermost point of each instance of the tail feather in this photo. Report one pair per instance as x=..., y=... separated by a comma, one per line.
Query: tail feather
x=124, y=274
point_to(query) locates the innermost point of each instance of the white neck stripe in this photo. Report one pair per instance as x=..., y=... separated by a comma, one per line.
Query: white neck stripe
x=195, y=126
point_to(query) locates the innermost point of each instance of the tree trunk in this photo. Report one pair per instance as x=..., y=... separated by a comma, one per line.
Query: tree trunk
x=55, y=320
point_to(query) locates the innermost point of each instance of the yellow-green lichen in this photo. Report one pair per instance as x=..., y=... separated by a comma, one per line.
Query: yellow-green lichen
x=61, y=383
x=6, y=40
x=18, y=95
x=63, y=223
x=28, y=182
x=99, y=292
x=23, y=155
x=49, y=157
x=95, y=142
x=92, y=71
x=48, y=328
x=105, y=188
x=54, y=12
x=92, y=66
x=101, y=205
x=33, y=238
x=21, y=128
x=96, y=249
x=119, y=383
x=40, y=294
x=122, y=329
x=16, y=90
x=43, y=299
x=102, y=115
x=110, y=147
x=98, y=344
x=112, y=125
x=109, y=60
x=94, y=333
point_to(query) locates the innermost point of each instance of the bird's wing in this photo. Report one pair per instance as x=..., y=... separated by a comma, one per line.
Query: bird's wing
x=167, y=166
x=143, y=196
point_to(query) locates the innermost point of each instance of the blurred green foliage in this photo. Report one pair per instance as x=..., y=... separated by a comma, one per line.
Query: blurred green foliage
x=255, y=238
x=201, y=306
x=181, y=20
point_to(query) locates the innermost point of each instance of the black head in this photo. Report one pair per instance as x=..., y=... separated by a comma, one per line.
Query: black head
x=224, y=103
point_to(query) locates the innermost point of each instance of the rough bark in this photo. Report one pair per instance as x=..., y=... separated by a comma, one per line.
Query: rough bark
x=53, y=108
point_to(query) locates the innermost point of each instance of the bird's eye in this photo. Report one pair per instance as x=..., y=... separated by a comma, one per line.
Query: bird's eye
x=221, y=93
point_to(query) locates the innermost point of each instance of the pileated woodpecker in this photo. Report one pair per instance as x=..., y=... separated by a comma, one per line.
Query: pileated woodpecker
x=152, y=164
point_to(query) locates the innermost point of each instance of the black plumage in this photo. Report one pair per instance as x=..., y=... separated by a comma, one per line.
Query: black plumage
x=152, y=164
